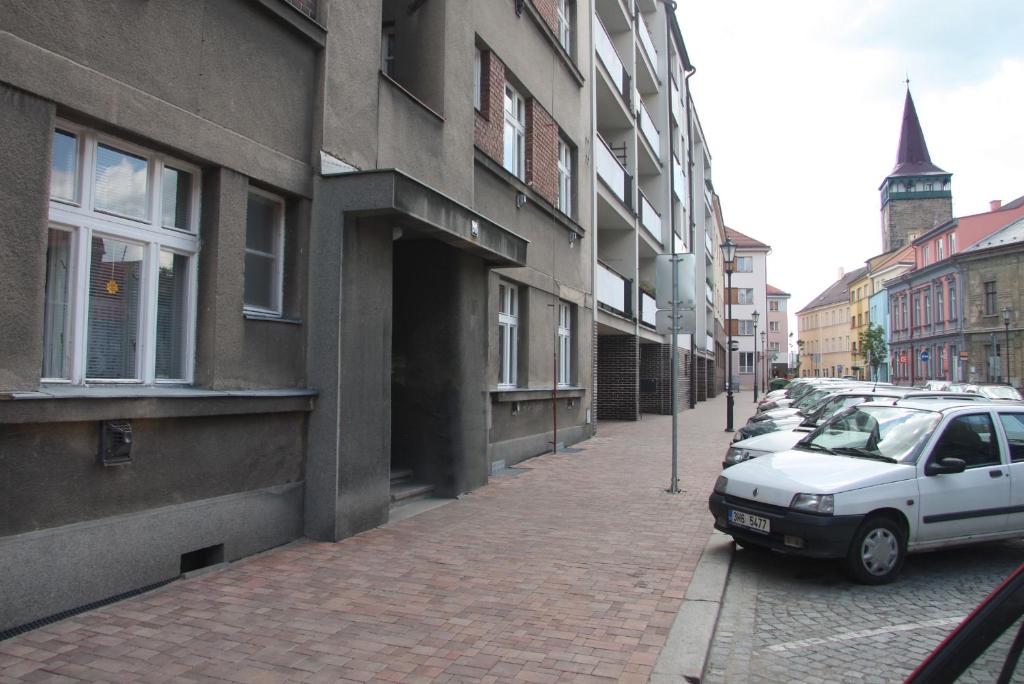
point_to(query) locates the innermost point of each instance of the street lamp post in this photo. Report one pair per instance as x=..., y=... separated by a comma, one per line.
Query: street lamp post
x=729, y=256
x=764, y=360
x=755, y=316
x=1006, y=327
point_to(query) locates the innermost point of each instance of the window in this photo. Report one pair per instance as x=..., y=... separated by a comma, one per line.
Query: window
x=773, y=346
x=477, y=79
x=119, y=300
x=387, y=49
x=264, y=252
x=773, y=305
x=924, y=255
x=564, y=10
x=745, y=295
x=971, y=438
x=952, y=301
x=938, y=250
x=746, y=362
x=773, y=326
x=1013, y=426
x=508, y=334
x=927, y=301
x=564, y=344
x=744, y=264
x=939, y=308
x=990, y=298
x=564, y=177
x=952, y=244
x=746, y=327
x=515, y=133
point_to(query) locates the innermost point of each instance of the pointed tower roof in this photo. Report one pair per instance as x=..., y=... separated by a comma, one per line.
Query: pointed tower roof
x=912, y=158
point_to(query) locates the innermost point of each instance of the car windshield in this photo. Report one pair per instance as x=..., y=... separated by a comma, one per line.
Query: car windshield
x=890, y=433
x=1000, y=392
x=810, y=399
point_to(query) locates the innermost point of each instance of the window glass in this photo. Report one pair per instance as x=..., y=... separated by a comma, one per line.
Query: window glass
x=970, y=438
x=1013, y=426
x=890, y=432
x=564, y=178
x=477, y=79
x=564, y=343
x=57, y=306
x=515, y=132
x=171, y=313
x=263, y=231
x=115, y=294
x=176, y=193
x=508, y=324
x=64, y=166
x=121, y=183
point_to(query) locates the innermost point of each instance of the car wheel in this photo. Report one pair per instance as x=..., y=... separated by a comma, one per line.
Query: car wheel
x=877, y=551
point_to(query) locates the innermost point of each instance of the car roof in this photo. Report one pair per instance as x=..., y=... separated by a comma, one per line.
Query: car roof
x=946, y=405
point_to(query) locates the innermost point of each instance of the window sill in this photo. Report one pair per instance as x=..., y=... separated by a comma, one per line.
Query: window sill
x=75, y=403
x=402, y=89
x=309, y=27
x=556, y=44
x=504, y=395
x=270, y=318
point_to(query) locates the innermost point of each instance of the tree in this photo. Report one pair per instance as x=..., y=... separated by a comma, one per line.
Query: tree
x=872, y=346
x=799, y=354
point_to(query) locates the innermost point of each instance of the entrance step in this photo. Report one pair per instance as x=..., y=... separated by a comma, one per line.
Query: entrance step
x=406, y=491
x=400, y=477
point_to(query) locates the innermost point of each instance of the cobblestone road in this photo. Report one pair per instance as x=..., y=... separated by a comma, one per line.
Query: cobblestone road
x=796, y=620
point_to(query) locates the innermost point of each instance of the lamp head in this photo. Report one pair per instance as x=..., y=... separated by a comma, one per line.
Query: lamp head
x=1006, y=315
x=729, y=253
x=755, y=316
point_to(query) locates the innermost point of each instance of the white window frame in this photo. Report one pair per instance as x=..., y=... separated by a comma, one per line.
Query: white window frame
x=564, y=344
x=83, y=221
x=952, y=244
x=515, y=124
x=745, y=327
x=748, y=260
x=508, y=329
x=477, y=80
x=278, y=272
x=564, y=13
x=747, y=368
x=564, y=177
x=939, y=256
x=773, y=326
x=744, y=295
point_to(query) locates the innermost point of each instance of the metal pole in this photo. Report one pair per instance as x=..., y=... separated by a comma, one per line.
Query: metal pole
x=673, y=487
x=757, y=369
x=1006, y=325
x=728, y=355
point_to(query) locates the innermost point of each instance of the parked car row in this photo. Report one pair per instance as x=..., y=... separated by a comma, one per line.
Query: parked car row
x=869, y=473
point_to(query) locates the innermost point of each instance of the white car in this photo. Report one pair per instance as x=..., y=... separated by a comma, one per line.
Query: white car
x=879, y=481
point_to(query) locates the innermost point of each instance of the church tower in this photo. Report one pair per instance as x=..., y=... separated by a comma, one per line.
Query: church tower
x=916, y=196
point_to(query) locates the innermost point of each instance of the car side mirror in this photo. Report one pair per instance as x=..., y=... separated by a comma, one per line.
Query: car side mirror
x=945, y=466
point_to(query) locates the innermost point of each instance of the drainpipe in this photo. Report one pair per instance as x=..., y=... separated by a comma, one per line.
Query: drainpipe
x=693, y=225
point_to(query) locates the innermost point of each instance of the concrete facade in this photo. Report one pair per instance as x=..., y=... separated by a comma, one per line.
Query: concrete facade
x=749, y=294
x=378, y=350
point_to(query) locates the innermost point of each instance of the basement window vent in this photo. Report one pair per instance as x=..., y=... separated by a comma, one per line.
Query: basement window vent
x=202, y=558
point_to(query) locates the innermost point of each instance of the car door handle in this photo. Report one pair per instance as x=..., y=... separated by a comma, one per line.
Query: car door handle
x=995, y=473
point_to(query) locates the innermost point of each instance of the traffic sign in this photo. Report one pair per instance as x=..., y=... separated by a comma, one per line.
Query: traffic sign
x=685, y=295
x=924, y=355
x=964, y=356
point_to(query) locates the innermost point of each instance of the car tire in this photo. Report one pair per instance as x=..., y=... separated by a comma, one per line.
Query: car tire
x=877, y=551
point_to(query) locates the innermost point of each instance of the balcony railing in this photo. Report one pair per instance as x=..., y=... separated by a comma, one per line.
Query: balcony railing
x=678, y=180
x=610, y=58
x=613, y=290
x=646, y=41
x=680, y=244
x=650, y=218
x=709, y=343
x=613, y=174
x=676, y=102
x=648, y=310
x=708, y=198
x=650, y=131
x=709, y=245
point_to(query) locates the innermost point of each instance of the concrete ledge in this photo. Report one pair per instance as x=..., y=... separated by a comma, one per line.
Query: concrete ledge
x=513, y=451
x=686, y=651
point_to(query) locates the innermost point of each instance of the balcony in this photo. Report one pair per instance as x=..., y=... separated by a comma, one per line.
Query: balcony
x=613, y=174
x=708, y=197
x=646, y=41
x=676, y=103
x=614, y=292
x=650, y=218
x=709, y=343
x=678, y=180
x=648, y=310
x=650, y=131
x=608, y=56
x=681, y=245
x=709, y=245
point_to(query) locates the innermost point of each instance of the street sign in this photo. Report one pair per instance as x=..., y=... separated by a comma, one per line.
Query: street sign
x=686, y=324
x=686, y=293
x=964, y=356
x=924, y=355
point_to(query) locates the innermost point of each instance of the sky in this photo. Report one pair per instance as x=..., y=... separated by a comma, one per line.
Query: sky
x=801, y=103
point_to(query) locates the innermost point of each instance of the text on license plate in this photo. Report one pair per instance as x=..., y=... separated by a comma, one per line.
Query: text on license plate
x=751, y=522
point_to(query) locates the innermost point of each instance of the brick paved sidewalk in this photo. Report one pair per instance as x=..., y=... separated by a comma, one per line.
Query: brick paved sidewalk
x=571, y=571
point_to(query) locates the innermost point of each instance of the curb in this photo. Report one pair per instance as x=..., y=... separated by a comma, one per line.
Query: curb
x=685, y=653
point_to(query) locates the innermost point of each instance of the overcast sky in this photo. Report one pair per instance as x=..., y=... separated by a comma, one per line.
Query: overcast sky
x=801, y=103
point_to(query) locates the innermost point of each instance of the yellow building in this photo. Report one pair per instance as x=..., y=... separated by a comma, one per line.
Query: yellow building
x=860, y=316
x=824, y=330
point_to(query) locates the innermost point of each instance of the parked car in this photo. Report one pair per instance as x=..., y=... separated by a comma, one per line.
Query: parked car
x=879, y=481
x=935, y=385
x=791, y=416
x=990, y=391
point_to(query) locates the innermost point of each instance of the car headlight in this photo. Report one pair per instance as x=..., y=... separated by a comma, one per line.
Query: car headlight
x=822, y=504
x=739, y=454
x=720, y=484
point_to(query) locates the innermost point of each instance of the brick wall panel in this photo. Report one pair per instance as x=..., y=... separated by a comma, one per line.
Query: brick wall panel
x=549, y=12
x=541, y=151
x=489, y=125
x=617, y=395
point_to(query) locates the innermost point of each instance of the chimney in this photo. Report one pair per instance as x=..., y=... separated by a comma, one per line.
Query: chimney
x=841, y=273
x=995, y=205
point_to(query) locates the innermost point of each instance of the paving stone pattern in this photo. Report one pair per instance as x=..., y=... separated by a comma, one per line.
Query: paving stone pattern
x=573, y=571
x=794, y=620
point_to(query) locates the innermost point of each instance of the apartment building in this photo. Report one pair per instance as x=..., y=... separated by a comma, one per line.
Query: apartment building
x=651, y=165
x=749, y=297
x=286, y=264
x=824, y=330
x=776, y=341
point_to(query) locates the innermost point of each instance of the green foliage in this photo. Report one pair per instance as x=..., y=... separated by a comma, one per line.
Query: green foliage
x=872, y=345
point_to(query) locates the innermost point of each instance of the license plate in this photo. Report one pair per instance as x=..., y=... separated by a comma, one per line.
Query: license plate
x=751, y=522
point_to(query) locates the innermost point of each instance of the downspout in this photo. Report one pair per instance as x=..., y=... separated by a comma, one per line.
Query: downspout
x=690, y=71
